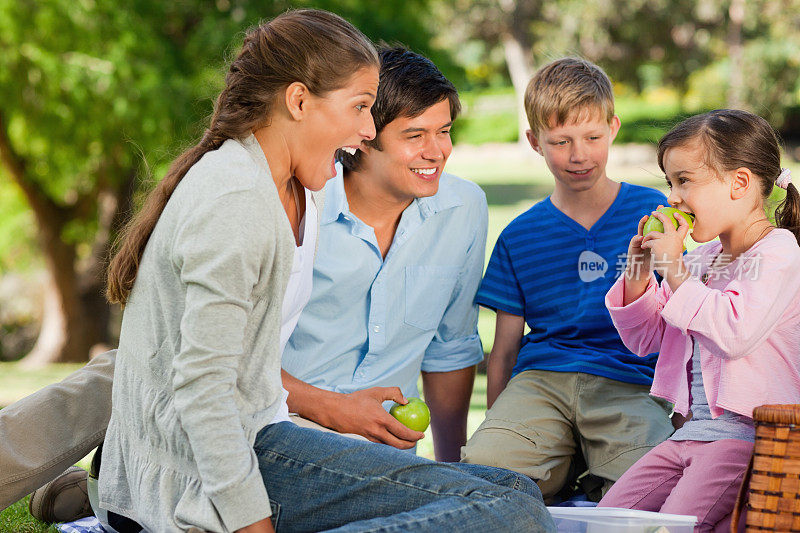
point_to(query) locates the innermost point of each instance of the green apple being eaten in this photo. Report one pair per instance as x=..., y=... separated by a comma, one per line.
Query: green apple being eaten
x=414, y=415
x=653, y=224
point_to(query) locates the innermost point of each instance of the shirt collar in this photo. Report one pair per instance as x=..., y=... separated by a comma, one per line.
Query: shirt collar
x=336, y=199
x=445, y=198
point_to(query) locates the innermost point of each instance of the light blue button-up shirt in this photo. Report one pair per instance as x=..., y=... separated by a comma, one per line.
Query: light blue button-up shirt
x=375, y=321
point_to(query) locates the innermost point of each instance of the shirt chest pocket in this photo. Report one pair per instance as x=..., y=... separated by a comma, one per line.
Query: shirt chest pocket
x=428, y=291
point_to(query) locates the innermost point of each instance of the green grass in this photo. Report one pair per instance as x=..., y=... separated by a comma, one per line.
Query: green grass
x=487, y=116
x=17, y=382
x=17, y=519
x=645, y=119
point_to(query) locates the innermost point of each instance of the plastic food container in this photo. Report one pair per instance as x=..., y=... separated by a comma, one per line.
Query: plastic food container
x=613, y=520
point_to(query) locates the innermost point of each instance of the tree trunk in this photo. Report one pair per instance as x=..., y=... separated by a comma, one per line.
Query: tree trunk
x=735, y=52
x=69, y=329
x=520, y=71
x=114, y=208
x=60, y=340
x=517, y=47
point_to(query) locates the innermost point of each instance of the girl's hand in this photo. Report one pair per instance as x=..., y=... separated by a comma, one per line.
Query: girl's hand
x=638, y=268
x=640, y=260
x=667, y=249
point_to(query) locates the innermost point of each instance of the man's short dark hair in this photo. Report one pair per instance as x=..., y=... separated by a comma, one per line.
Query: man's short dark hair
x=409, y=84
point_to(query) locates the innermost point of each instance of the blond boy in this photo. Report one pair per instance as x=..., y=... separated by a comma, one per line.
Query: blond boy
x=569, y=386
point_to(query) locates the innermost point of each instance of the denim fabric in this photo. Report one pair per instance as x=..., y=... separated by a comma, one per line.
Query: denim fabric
x=323, y=481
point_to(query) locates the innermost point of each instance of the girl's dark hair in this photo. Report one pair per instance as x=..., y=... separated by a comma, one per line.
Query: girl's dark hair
x=735, y=139
x=409, y=84
x=314, y=47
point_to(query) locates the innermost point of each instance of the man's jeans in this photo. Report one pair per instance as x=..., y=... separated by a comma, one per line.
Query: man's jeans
x=323, y=481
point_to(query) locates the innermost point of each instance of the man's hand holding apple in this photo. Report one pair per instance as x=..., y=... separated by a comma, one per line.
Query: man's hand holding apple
x=362, y=412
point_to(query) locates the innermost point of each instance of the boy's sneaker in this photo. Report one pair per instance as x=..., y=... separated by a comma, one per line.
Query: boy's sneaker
x=62, y=500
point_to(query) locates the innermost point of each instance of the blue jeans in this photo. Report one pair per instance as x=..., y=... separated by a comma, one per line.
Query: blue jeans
x=320, y=481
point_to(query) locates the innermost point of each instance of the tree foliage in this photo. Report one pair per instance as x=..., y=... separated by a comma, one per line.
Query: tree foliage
x=742, y=53
x=91, y=90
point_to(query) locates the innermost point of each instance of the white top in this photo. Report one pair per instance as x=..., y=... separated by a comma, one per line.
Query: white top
x=298, y=290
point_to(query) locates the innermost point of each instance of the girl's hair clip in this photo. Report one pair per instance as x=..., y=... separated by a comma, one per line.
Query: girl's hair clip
x=784, y=178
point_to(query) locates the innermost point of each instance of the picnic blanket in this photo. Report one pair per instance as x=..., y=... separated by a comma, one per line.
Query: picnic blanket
x=90, y=524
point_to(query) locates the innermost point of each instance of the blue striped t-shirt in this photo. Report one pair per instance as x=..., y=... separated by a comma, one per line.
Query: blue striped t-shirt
x=555, y=273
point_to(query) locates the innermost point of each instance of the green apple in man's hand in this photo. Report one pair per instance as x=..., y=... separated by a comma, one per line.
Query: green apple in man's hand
x=414, y=415
x=653, y=224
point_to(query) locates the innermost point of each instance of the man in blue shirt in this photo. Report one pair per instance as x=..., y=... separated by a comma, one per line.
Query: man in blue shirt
x=400, y=256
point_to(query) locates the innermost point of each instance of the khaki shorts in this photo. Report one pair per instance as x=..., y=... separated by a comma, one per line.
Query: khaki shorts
x=540, y=419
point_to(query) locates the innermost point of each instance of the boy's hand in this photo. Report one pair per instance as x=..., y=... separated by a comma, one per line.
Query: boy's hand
x=666, y=249
x=508, y=332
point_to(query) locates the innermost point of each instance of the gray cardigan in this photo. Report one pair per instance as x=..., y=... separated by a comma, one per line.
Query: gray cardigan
x=198, y=368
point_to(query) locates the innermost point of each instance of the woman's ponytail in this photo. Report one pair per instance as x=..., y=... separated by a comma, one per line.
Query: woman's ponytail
x=133, y=239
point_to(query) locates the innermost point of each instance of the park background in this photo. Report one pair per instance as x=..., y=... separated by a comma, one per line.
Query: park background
x=98, y=96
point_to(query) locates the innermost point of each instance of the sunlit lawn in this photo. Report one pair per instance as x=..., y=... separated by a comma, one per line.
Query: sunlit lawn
x=17, y=519
x=16, y=381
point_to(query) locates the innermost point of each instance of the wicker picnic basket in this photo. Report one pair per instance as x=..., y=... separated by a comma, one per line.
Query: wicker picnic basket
x=771, y=487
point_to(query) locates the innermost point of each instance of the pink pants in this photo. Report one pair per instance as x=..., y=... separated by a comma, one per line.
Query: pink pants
x=686, y=477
